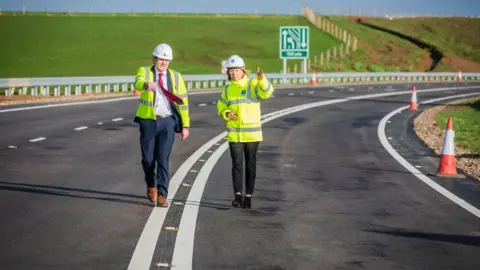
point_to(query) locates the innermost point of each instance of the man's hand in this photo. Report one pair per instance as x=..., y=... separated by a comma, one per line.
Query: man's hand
x=185, y=133
x=259, y=73
x=150, y=86
x=232, y=116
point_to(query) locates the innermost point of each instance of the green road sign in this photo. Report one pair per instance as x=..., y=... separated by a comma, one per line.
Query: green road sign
x=294, y=42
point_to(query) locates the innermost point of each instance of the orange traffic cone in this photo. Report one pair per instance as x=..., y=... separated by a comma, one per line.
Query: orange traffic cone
x=459, y=76
x=413, y=99
x=447, y=166
x=136, y=92
x=313, y=81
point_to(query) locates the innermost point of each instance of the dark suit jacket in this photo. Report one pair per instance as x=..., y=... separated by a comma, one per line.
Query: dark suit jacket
x=176, y=114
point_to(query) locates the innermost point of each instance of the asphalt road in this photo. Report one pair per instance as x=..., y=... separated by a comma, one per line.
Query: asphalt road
x=328, y=195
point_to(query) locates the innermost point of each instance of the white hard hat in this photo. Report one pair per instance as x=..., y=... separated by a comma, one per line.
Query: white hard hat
x=163, y=51
x=235, y=61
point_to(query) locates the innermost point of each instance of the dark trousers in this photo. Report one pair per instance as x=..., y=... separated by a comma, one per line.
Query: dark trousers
x=156, y=141
x=238, y=151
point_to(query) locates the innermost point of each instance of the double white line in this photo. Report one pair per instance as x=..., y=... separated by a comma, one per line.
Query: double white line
x=183, y=251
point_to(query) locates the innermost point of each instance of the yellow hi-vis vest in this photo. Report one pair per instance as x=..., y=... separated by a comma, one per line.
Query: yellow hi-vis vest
x=243, y=98
x=146, y=103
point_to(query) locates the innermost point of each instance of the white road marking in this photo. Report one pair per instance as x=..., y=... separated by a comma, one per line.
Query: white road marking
x=201, y=160
x=117, y=119
x=143, y=253
x=183, y=251
x=381, y=135
x=195, y=171
x=351, y=89
x=12, y=146
x=36, y=107
x=81, y=128
x=38, y=139
x=389, y=121
x=202, y=104
x=331, y=91
x=389, y=138
x=418, y=166
x=214, y=102
x=291, y=94
x=99, y=123
x=311, y=92
x=163, y=265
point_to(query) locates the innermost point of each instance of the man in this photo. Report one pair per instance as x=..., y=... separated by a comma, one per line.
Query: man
x=162, y=112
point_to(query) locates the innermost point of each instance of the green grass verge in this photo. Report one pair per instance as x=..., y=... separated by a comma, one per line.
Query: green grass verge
x=466, y=123
x=83, y=45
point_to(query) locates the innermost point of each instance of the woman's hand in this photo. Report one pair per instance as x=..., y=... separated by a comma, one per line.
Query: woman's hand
x=259, y=73
x=232, y=116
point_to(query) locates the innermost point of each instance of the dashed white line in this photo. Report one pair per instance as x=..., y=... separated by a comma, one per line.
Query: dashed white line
x=202, y=104
x=99, y=123
x=81, y=128
x=331, y=91
x=117, y=119
x=38, y=139
x=291, y=94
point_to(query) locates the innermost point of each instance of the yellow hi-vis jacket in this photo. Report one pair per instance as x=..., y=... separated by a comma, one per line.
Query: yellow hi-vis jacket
x=176, y=85
x=242, y=98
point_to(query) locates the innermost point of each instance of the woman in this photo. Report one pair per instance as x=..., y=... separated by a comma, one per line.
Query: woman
x=239, y=106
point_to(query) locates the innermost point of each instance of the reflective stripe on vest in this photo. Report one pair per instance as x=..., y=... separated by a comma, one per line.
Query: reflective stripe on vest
x=144, y=102
x=253, y=129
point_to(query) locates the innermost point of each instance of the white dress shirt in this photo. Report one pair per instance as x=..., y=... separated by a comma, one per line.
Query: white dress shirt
x=162, y=106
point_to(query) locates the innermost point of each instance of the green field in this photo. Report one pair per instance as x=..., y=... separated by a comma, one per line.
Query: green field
x=37, y=46
x=466, y=123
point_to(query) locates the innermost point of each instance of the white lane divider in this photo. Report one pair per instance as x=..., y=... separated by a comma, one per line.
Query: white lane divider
x=99, y=123
x=381, y=135
x=184, y=243
x=81, y=128
x=117, y=119
x=38, y=139
x=202, y=104
x=143, y=253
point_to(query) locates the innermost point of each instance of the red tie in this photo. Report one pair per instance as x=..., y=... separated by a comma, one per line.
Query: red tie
x=168, y=94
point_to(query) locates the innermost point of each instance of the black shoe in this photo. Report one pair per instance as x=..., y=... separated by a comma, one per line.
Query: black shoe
x=247, y=203
x=238, y=202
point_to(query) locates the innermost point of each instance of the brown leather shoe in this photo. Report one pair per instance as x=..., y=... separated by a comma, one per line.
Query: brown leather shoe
x=152, y=194
x=162, y=202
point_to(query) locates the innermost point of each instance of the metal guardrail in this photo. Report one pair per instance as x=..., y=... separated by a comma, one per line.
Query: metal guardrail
x=104, y=84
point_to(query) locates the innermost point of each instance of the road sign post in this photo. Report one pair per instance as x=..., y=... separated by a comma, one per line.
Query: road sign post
x=294, y=44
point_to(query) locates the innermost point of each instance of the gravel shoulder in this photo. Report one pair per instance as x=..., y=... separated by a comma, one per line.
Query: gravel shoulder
x=432, y=135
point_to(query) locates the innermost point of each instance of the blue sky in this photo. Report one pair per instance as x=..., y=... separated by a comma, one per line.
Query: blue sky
x=448, y=7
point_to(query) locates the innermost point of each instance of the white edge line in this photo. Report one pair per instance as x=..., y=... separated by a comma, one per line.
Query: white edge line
x=38, y=139
x=143, y=253
x=412, y=169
